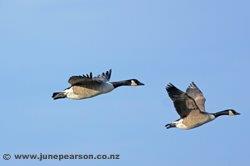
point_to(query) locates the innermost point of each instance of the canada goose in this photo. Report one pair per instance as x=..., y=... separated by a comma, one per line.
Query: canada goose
x=190, y=105
x=87, y=86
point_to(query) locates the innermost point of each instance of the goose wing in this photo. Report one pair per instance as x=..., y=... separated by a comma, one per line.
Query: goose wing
x=183, y=103
x=89, y=79
x=194, y=92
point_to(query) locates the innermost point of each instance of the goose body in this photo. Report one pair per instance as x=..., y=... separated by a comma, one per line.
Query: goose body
x=190, y=105
x=83, y=92
x=87, y=86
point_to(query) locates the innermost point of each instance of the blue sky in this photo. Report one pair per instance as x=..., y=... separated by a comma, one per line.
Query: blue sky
x=44, y=42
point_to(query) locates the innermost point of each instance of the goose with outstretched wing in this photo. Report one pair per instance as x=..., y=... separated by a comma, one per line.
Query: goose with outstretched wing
x=190, y=105
x=87, y=86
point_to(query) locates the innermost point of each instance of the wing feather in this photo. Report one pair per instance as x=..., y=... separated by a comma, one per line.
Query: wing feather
x=194, y=92
x=183, y=103
x=87, y=79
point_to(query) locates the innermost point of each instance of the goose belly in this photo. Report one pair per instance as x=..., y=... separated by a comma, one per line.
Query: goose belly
x=197, y=124
x=80, y=92
x=182, y=124
x=193, y=122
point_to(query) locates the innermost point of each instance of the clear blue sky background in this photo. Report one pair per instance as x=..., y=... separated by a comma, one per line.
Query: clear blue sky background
x=44, y=42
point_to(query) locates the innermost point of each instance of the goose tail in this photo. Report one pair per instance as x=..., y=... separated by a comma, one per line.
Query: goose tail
x=58, y=95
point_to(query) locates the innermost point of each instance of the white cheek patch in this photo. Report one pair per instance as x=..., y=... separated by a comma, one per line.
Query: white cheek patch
x=212, y=117
x=133, y=83
x=231, y=113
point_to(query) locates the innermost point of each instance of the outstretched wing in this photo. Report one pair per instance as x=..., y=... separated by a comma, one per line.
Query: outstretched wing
x=89, y=79
x=194, y=92
x=182, y=102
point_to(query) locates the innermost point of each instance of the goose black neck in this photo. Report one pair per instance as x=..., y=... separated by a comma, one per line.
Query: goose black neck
x=217, y=114
x=121, y=83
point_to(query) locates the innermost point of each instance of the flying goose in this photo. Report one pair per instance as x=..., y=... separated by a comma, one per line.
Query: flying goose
x=190, y=105
x=86, y=86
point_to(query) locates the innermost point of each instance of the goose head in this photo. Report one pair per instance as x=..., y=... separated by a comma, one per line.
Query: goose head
x=232, y=112
x=134, y=82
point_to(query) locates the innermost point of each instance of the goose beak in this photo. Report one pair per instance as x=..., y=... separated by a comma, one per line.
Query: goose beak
x=141, y=84
x=237, y=113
